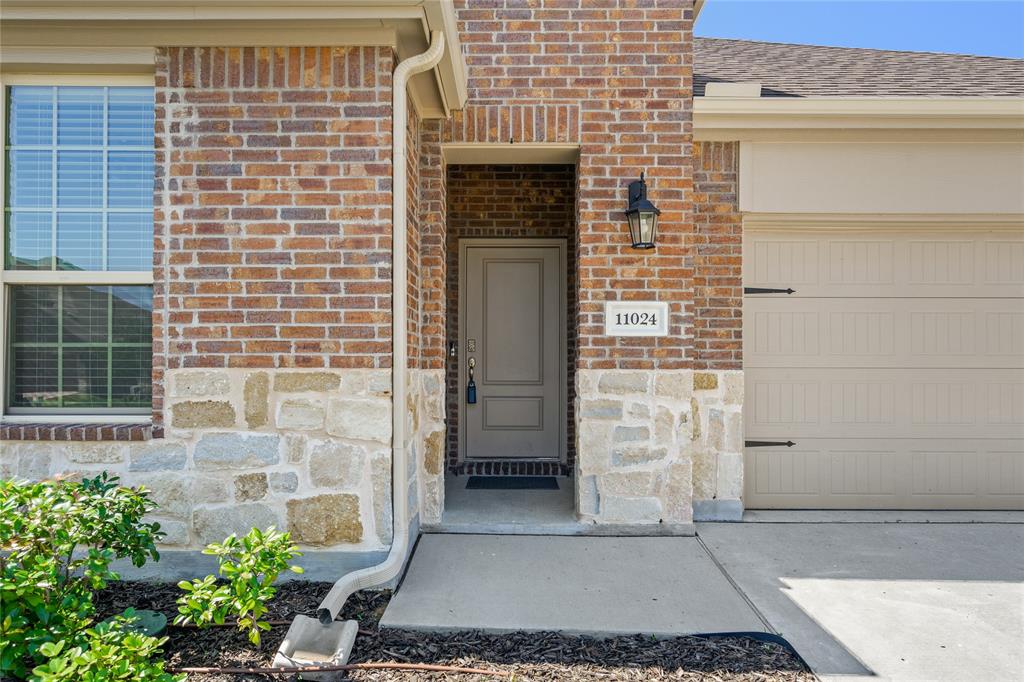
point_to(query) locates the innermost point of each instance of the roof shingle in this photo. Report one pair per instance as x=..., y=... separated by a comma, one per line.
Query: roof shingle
x=812, y=71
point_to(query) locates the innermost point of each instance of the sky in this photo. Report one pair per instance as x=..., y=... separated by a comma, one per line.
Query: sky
x=982, y=27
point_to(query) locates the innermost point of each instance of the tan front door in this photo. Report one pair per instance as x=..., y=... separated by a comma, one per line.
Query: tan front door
x=512, y=325
x=896, y=368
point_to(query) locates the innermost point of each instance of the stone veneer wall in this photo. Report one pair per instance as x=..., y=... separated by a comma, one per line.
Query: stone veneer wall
x=717, y=440
x=655, y=446
x=306, y=451
x=427, y=436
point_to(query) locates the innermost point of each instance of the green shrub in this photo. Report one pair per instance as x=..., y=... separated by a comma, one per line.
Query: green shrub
x=111, y=651
x=60, y=538
x=250, y=566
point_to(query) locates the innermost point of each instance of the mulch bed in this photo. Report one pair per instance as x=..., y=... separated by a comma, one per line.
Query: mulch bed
x=529, y=656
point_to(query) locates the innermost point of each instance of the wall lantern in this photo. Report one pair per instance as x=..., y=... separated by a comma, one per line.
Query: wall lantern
x=642, y=215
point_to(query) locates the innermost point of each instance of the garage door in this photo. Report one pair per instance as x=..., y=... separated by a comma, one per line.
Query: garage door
x=892, y=377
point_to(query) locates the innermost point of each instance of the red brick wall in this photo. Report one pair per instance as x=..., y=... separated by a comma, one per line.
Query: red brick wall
x=272, y=215
x=433, y=233
x=413, y=236
x=718, y=260
x=509, y=201
x=614, y=76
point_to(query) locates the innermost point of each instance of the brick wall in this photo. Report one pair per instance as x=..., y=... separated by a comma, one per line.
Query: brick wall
x=509, y=201
x=718, y=284
x=272, y=219
x=433, y=233
x=615, y=77
x=413, y=237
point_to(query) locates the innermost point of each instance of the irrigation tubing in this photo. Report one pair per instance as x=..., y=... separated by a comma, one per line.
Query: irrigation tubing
x=428, y=667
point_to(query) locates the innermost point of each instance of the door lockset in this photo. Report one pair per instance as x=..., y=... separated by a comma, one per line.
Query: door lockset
x=470, y=345
x=471, y=386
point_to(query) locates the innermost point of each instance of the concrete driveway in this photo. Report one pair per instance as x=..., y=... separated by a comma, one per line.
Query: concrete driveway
x=885, y=601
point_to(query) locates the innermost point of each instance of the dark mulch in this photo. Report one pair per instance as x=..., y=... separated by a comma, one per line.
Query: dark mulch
x=530, y=656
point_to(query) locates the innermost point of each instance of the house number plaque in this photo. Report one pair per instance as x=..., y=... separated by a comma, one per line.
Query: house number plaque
x=635, y=318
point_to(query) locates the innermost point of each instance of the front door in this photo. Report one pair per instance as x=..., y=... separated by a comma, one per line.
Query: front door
x=512, y=327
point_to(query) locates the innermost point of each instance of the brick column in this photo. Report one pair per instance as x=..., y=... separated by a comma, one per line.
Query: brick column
x=616, y=79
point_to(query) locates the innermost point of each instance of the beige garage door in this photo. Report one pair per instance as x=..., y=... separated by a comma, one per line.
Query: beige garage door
x=896, y=368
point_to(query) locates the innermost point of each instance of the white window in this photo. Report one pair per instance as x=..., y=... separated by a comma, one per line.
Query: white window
x=77, y=256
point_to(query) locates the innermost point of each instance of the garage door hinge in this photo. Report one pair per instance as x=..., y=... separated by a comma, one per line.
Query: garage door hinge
x=759, y=290
x=767, y=443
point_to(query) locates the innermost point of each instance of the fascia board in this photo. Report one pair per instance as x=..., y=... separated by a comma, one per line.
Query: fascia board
x=73, y=28
x=760, y=113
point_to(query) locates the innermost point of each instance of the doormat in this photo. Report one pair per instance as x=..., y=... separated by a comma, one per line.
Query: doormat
x=512, y=483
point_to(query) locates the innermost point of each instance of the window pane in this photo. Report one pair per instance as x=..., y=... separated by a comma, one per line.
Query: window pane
x=81, y=347
x=130, y=117
x=80, y=116
x=130, y=180
x=35, y=318
x=129, y=241
x=30, y=241
x=132, y=380
x=80, y=241
x=35, y=381
x=102, y=202
x=85, y=377
x=80, y=179
x=31, y=115
x=133, y=311
x=31, y=181
x=84, y=314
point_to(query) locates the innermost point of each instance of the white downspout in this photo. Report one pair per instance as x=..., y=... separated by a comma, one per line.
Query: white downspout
x=373, y=576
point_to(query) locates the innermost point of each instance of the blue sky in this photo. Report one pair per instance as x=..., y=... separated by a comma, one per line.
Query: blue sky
x=984, y=27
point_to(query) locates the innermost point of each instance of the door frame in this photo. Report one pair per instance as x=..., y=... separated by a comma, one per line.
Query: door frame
x=563, y=351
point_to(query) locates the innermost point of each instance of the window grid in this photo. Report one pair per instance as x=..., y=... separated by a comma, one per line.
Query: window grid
x=108, y=346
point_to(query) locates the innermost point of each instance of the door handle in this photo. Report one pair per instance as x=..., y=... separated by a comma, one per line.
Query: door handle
x=471, y=386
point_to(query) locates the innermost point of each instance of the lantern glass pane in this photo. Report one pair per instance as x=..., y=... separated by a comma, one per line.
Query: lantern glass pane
x=647, y=222
x=634, y=226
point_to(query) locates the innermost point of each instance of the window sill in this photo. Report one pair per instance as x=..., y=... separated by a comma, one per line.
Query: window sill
x=79, y=431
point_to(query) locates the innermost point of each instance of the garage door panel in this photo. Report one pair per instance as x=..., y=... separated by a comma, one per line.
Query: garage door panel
x=896, y=367
x=891, y=403
x=892, y=332
x=866, y=263
x=887, y=474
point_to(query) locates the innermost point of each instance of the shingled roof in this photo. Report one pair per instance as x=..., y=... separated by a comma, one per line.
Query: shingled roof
x=811, y=71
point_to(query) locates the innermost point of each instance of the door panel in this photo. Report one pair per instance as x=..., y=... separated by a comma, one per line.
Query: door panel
x=512, y=304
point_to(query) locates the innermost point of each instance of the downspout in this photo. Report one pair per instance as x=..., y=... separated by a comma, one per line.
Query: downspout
x=373, y=576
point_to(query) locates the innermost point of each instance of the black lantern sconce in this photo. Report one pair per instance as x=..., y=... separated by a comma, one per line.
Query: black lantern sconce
x=642, y=216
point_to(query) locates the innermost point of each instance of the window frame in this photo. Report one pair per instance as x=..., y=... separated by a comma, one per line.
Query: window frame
x=59, y=277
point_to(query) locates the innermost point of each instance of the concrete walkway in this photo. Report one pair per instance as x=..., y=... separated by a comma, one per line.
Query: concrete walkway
x=897, y=601
x=580, y=585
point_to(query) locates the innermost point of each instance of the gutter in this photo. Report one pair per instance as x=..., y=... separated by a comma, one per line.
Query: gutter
x=374, y=576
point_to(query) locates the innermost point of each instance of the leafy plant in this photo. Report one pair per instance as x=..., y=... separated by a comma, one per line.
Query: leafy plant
x=57, y=541
x=111, y=651
x=250, y=565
